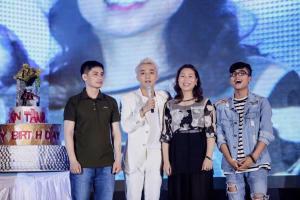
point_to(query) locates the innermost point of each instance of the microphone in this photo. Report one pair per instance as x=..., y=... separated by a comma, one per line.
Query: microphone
x=149, y=93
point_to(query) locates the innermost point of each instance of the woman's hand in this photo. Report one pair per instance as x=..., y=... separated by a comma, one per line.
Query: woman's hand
x=207, y=164
x=167, y=168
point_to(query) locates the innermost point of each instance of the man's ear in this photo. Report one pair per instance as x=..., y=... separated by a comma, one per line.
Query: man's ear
x=84, y=77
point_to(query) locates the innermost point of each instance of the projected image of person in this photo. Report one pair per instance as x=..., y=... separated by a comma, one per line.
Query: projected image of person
x=122, y=34
x=12, y=56
x=172, y=32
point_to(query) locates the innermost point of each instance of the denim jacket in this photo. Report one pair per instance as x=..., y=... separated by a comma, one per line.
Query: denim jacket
x=257, y=127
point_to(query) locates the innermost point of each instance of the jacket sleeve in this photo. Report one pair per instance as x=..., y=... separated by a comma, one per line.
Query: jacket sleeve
x=265, y=126
x=221, y=139
x=130, y=114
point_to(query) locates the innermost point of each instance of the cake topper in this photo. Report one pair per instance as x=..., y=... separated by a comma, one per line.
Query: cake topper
x=28, y=86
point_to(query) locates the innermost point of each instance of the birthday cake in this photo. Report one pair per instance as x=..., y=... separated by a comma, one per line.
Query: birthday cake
x=27, y=141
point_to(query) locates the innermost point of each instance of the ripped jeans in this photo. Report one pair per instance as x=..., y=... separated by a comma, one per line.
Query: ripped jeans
x=257, y=180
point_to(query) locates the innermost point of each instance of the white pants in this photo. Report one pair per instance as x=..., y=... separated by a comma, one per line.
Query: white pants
x=148, y=177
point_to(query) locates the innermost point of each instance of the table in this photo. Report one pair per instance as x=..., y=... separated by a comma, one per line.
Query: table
x=35, y=186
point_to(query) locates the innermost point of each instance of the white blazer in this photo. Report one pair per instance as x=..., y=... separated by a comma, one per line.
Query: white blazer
x=137, y=127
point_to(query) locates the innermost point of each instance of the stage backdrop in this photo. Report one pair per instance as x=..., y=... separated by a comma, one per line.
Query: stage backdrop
x=58, y=35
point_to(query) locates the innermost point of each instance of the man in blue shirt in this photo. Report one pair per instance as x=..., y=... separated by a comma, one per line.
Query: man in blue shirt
x=244, y=129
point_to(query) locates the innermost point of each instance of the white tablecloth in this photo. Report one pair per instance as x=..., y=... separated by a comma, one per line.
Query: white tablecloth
x=35, y=186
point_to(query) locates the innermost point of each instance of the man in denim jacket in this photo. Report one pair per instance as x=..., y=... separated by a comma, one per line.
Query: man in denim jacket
x=244, y=129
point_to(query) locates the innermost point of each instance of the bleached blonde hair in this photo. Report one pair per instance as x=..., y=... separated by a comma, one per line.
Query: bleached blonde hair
x=146, y=61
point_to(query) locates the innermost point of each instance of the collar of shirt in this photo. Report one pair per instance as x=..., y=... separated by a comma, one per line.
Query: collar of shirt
x=84, y=95
x=250, y=100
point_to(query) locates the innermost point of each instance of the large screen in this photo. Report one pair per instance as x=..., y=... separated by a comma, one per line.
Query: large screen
x=59, y=35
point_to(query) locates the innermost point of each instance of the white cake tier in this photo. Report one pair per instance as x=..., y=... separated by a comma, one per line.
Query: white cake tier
x=29, y=134
x=27, y=114
x=33, y=158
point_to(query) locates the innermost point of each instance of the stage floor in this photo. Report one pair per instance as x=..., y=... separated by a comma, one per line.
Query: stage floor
x=279, y=188
x=32, y=186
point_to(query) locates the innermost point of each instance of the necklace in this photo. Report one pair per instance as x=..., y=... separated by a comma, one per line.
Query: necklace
x=188, y=99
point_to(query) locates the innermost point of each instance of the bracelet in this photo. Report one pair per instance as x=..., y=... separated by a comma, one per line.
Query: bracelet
x=251, y=157
x=209, y=158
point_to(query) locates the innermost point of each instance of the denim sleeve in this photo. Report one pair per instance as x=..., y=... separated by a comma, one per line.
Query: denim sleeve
x=219, y=132
x=265, y=128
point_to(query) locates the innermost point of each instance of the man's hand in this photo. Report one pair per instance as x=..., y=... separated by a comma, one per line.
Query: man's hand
x=234, y=164
x=75, y=167
x=245, y=163
x=116, y=167
x=150, y=104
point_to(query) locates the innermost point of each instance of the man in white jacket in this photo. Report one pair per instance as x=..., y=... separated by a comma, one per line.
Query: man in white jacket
x=141, y=119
